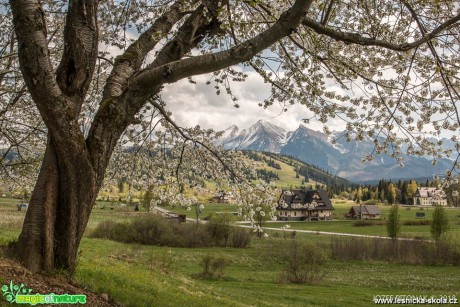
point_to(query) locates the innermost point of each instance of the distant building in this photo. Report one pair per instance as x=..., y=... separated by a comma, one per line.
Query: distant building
x=430, y=196
x=300, y=205
x=222, y=197
x=364, y=212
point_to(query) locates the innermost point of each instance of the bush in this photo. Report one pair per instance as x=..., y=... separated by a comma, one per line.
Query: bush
x=213, y=266
x=240, y=237
x=417, y=222
x=440, y=223
x=304, y=264
x=398, y=251
x=368, y=223
x=219, y=227
x=155, y=230
x=393, y=223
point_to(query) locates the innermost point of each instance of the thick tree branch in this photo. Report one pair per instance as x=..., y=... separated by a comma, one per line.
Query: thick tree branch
x=128, y=64
x=174, y=71
x=116, y=113
x=39, y=76
x=30, y=27
x=355, y=38
x=76, y=69
x=36, y=67
x=190, y=34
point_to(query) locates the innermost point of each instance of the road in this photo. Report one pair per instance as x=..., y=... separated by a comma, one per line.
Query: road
x=333, y=233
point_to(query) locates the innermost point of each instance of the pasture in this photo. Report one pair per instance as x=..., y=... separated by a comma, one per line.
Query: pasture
x=142, y=275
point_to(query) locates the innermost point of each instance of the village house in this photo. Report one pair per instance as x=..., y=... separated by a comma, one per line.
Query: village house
x=300, y=205
x=364, y=212
x=430, y=196
x=222, y=197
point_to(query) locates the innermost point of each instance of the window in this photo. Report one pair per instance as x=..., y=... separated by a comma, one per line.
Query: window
x=295, y=213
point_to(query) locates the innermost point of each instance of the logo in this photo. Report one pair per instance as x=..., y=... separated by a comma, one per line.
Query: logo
x=20, y=294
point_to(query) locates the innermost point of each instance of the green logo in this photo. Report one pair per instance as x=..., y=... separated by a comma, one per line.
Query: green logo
x=10, y=292
x=21, y=295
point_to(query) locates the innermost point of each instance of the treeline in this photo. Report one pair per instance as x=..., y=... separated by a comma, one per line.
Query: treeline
x=402, y=192
x=257, y=157
x=307, y=173
x=267, y=176
x=311, y=172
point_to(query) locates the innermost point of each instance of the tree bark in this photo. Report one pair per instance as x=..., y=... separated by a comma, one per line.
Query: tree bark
x=58, y=212
x=73, y=168
x=34, y=246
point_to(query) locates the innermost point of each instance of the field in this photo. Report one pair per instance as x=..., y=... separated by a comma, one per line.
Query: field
x=343, y=225
x=140, y=275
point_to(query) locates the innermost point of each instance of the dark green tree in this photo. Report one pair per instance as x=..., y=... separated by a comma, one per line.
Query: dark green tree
x=440, y=223
x=393, y=223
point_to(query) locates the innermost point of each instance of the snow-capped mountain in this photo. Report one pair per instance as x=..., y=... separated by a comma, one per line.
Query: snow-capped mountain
x=340, y=157
x=262, y=136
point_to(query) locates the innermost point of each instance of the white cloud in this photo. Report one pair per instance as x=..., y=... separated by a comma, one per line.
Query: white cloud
x=198, y=104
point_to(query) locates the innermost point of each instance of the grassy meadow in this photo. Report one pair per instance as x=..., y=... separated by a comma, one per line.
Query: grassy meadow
x=142, y=275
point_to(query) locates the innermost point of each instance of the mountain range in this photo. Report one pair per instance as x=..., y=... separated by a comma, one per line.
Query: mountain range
x=340, y=157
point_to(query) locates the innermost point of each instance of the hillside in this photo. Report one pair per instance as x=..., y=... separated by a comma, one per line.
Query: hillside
x=333, y=152
x=291, y=172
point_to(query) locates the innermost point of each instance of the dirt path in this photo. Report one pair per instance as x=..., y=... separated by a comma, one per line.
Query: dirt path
x=333, y=233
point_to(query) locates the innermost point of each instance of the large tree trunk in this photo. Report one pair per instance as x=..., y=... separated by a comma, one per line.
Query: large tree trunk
x=58, y=211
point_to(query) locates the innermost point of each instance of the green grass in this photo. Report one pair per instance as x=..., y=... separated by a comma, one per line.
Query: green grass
x=287, y=177
x=137, y=275
x=343, y=225
x=134, y=276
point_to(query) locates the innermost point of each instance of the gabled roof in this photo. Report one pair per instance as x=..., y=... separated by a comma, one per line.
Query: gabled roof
x=426, y=192
x=367, y=209
x=305, y=198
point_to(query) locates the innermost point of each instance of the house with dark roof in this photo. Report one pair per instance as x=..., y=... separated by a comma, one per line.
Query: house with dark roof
x=300, y=205
x=364, y=212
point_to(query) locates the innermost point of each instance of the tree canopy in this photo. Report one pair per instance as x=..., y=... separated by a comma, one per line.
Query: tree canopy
x=79, y=78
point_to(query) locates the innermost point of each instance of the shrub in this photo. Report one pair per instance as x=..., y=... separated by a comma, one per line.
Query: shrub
x=393, y=223
x=304, y=264
x=440, y=223
x=213, y=266
x=417, y=222
x=398, y=251
x=155, y=230
x=219, y=227
x=368, y=223
x=240, y=237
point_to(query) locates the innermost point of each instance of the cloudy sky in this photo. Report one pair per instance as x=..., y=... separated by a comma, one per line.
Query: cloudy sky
x=198, y=104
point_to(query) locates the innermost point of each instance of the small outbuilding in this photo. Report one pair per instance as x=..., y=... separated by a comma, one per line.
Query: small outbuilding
x=364, y=212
